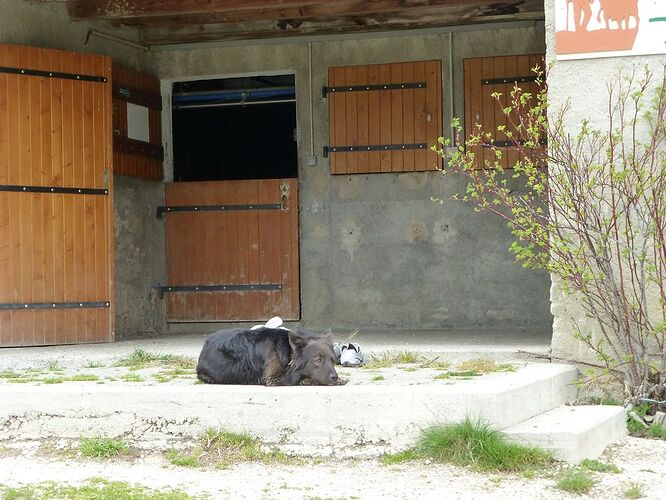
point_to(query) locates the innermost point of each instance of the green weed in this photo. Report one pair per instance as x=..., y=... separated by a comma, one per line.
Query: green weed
x=597, y=466
x=483, y=365
x=132, y=377
x=634, y=490
x=139, y=359
x=93, y=489
x=477, y=445
x=575, y=481
x=400, y=457
x=99, y=447
x=183, y=459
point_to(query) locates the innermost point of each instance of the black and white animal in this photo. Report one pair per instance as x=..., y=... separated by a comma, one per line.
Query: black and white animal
x=267, y=356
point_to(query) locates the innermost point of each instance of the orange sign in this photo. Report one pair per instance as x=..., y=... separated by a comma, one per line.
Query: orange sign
x=605, y=28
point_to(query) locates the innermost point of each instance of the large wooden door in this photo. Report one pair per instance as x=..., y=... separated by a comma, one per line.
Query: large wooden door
x=232, y=250
x=56, y=259
x=483, y=77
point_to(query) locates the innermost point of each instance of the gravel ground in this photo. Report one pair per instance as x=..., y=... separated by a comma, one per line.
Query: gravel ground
x=641, y=461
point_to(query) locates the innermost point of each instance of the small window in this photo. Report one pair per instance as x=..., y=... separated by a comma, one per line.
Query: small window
x=384, y=117
x=235, y=128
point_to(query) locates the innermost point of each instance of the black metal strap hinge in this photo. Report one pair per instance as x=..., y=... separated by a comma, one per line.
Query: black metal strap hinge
x=55, y=305
x=375, y=86
x=248, y=287
x=217, y=208
x=53, y=189
x=508, y=79
x=53, y=74
x=377, y=147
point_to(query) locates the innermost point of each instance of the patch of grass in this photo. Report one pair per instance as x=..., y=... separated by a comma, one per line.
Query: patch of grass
x=180, y=373
x=636, y=428
x=377, y=378
x=464, y=373
x=484, y=365
x=604, y=400
x=633, y=490
x=94, y=364
x=142, y=359
x=22, y=380
x=409, y=369
x=161, y=378
x=53, y=366
x=99, y=447
x=83, y=377
x=400, y=457
x=93, y=489
x=597, y=466
x=575, y=481
x=477, y=445
x=10, y=374
x=387, y=359
x=53, y=380
x=182, y=459
x=437, y=365
x=222, y=448
x=132, y=377
x=656, y=431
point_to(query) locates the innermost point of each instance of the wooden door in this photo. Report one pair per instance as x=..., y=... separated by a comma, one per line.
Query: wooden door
x=384, y=117
x=232, y=250
x=483, y=77
x=56, y=259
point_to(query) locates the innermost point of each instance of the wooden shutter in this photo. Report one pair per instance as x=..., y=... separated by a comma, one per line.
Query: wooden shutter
x=483, y=77
x=133, y=157
x=56, y=240
x=384, y=117
x=232, y=250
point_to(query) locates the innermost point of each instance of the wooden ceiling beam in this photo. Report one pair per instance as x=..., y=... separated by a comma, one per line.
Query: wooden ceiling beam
x=115, y=9
x=331, y=11
x=181, y=12
x=256, y=31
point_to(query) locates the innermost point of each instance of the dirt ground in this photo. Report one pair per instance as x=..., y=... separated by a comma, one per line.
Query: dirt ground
x=642, y=462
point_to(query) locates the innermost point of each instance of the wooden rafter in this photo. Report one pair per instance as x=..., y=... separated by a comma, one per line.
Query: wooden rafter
x=177, y=21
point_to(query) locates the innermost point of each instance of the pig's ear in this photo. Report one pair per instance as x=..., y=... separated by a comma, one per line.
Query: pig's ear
x=297, y=342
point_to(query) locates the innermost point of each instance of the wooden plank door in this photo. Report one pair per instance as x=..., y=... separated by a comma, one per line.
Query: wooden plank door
x=56, y=258
x=232, y=250
x=483, y=77
x=384, y=117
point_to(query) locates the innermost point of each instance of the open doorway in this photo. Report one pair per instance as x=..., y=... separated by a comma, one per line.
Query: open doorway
x=232, y=210
x=235, y=128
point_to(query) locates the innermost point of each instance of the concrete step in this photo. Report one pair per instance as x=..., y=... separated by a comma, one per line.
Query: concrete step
x=353, y=420
x=572, y=433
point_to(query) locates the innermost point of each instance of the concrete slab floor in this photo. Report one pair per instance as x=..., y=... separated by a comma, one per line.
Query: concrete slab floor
x=500, y=345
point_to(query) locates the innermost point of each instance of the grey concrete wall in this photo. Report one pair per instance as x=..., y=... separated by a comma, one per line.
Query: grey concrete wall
x=139, y=245
x=588, y=101
x=375, y=251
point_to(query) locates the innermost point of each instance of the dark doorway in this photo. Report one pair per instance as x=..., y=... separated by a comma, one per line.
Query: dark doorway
x=235, y=128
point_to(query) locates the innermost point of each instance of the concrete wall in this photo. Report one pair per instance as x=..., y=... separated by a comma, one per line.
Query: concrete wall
x=588, y=101
x=375, y=251
x=139, y=242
